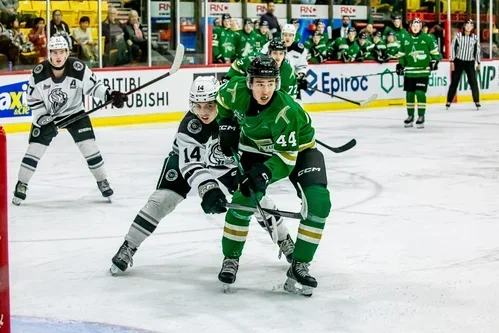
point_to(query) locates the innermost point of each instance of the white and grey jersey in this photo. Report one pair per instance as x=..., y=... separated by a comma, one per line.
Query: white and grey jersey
x=200, y=156
x=61, y=97
x=296, y=54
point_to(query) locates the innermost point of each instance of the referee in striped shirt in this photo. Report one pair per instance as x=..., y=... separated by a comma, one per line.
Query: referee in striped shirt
x=465, y=56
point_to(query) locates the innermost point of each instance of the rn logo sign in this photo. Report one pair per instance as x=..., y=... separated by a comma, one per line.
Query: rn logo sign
x=218, y=9
x=308, y=11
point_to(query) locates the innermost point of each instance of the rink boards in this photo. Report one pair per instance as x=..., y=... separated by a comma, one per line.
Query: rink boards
x=167, y=100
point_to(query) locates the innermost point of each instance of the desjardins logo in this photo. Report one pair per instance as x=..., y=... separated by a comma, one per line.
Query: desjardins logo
x=389, y=80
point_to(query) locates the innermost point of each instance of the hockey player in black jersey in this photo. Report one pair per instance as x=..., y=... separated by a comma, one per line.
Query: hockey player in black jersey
x=55, y=91
x=197, y=162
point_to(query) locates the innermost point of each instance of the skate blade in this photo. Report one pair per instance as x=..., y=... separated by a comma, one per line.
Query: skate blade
x=420, y=126
x=17, y=201
x=114, y=270
x=408, y=125
x=109, y=199
x=294, y=287
x=227, y=289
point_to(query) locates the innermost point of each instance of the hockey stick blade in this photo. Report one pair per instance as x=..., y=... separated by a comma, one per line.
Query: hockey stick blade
x=274, y=212
x=369, y=100
x=347, y=146
x=179, y=56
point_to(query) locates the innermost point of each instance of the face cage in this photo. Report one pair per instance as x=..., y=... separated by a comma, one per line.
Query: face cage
x=249, y=81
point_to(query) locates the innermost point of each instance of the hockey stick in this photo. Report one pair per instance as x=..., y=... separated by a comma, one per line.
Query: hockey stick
x=361, y=103
x=274, y=212
x=179, y=56
x=347, y=146
x=272, y=230
x=390, y=72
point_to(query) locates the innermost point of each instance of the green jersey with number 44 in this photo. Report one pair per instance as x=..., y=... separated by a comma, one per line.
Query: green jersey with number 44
x=280, y=130
x=415, y=55
x=288, y=76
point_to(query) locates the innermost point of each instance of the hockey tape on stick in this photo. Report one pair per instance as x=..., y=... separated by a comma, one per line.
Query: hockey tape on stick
x=361, y=103
x=179, y=56
x=347, y=146
x=274, y=212
x=271, y=229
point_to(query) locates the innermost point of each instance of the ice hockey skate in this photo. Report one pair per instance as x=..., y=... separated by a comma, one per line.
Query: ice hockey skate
x=478, y=106
x=105, y=189
x=420, y=122
x=122, y=259
x=228, y=273
x=299, y=281
x=409, y=122
x=447, y=106
x=286, y=247
x=19, y=193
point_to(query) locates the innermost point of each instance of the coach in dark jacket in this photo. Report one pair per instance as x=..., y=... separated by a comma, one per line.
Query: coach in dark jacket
x=342, y=32
x=269, y=17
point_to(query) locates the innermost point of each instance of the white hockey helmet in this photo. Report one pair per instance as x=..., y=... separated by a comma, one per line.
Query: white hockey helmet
x=203, y=89
x=288, y=29
x=58, y=43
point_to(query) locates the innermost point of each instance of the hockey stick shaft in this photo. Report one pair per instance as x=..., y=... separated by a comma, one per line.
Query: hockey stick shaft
x=390, y=72
x=336, y=96
x=274, y=212
x=347, y=146
x=179, y=55
x=272, y=231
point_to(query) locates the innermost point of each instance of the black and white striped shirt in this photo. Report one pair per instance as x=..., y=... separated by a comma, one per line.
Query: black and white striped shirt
x=465, y=47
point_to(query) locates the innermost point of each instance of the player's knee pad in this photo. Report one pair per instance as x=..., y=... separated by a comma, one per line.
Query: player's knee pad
x=319, y=202
x=266, y=202
x=161, y=203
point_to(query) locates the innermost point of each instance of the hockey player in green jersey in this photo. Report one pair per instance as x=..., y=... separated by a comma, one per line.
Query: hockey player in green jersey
x=277, y=50
x=245, y=39
x=398, y=29
x=365, y=48
x=379, y=49
x=345, y=49
x=262, y=35
x=223, y=42
x=417, y=57
x=317, y=50
x=276, y=139
x=296, y=24
x=321, y=29
x=392, y=47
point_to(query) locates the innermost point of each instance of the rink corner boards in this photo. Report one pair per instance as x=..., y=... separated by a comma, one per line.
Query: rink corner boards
x=128, y=120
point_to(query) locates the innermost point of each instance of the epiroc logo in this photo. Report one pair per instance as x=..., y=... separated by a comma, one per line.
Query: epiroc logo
x=13, y=100
x=332, y=84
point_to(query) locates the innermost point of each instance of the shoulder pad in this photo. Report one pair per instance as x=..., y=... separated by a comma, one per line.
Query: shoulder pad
x=194, y=128
x=41, y=72
x=75, y=68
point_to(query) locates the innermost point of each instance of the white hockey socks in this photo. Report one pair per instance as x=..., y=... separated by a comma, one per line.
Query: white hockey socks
x=282, y=231
x=30, y=161
x=160, y=204
x=90, y=151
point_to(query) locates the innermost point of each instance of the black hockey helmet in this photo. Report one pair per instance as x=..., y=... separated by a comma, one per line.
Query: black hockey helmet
x=318, y=22
x=396, y=16
x=317, y=33
x=352, y=29
x=277, y=44
x=226, y=17
x=247, y=21
x=362, y=35
x=263, y=66
x=293, y=21
x=264, y=23
x=378, y=34
x=390, y=33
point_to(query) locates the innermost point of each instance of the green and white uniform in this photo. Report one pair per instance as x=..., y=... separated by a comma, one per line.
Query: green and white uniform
x=223, y=44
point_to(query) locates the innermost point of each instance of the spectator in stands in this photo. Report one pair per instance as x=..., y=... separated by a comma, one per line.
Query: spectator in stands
x=38, y=37
x=8, y=8
x=60, y=28
x=342, y=32
x=24, y=49
x=269, y=17
x=135, y=37
x=115, y=47
x=83, y=38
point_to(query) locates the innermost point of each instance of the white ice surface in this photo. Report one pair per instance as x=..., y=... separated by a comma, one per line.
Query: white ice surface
x=412, y=244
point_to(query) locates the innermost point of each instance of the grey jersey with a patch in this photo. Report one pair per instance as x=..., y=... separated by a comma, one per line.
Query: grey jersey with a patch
x=61, y=97
x=200, y=156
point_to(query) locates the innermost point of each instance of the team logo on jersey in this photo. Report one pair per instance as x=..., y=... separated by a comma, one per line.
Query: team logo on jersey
x=58, y=99
x=171, y=175
x=38, y=69
x=78, y=66
x=216, y=156
x=73, y=84
x=194, y=126
x=36, y=132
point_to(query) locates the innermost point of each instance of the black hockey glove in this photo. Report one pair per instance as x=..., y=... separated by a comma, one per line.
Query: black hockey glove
x=399, y=70
x=228, y=134
x=213, y=199
x=220, y=59
x=256, y=179
x=224, y=79
x=119, y=99
x=433, y=65
x=302, y=82
x=47, y=127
